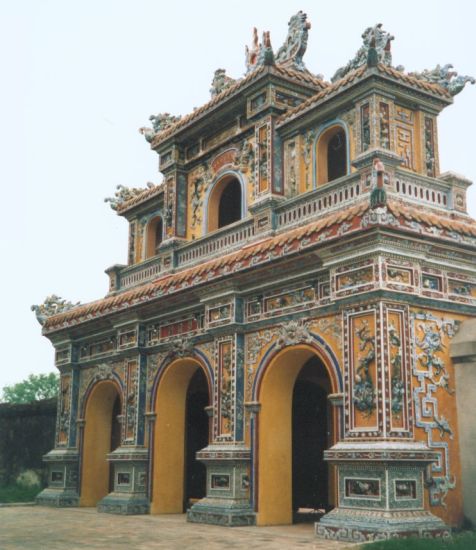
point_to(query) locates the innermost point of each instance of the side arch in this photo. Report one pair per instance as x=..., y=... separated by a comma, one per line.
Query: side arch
x=168, y=439
x=273, y=440
x=102, y=402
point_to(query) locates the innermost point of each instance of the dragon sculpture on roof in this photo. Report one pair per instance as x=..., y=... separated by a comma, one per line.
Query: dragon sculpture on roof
x=52, y=305
x=160, y=122
x=292, y=51
x=373, y=37
x=446, y=77
x=124, y=194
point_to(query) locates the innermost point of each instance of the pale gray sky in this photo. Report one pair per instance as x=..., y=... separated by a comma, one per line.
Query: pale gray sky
x=79, y=79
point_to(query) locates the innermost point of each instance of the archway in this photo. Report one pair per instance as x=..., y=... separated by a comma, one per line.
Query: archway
x=102, y=434
x=181, y=429
x=296, y=384
x=331, y=154
x=225, y=203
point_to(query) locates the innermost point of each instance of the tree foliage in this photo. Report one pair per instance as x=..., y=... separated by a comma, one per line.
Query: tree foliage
x=34, y=388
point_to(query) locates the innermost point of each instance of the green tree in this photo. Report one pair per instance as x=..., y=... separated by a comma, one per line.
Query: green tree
x=34, y=388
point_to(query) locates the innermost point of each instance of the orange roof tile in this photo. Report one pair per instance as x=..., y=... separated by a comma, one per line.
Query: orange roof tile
x=111, y=303
x=355, y=76
x=303, y=77
x=453, y=222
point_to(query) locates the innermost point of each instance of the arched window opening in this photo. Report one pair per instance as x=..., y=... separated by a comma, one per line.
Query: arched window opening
x=154, y=237
x=229, y=209
x=336, y=156
x=331, y=155
x=225, y=203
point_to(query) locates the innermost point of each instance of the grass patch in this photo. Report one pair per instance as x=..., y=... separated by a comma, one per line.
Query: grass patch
x=18, y=493
x=465, y=540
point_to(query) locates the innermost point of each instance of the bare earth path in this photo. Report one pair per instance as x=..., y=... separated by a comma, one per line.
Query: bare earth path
x=38, y=528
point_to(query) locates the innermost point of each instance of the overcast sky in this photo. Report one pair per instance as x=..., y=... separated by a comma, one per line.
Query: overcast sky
x=79, y=79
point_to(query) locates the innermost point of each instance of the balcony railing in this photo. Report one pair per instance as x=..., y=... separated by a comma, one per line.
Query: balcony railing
x=224, y=240
x=296, y=211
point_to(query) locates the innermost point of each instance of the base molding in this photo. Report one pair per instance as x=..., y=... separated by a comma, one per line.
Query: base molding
x=58, y=498
x=365, y=526
x=124, y=504
x=228, y=516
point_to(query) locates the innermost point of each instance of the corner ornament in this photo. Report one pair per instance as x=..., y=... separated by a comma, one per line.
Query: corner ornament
x=160, y=122
x=53, y=305
x=124, y=194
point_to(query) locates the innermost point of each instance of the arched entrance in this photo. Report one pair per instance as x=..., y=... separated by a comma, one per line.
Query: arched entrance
x=295, y=426
x=181, y=429
x=102, y=434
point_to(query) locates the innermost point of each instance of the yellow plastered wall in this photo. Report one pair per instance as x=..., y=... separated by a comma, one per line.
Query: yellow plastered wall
x=169, y=438
x=275, y=436
x=97, y=443
x=452, y=512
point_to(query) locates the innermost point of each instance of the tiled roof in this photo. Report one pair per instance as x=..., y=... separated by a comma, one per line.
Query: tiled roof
x=243, y=259
x=331, y=89
x=301, y=77
x=140, y=197
x=293, y=241
x=355, y=76
x=463, y=225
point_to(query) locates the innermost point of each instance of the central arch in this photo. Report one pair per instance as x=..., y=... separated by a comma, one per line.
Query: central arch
x=284, y=377
x=179, y=404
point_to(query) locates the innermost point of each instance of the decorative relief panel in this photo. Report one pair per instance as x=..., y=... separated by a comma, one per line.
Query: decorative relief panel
x=127, y=338
x=433, y=395
x=400, y=275
x=131, y=397
x=364, y=127
x=430, y=154
x=62, y=356
x=362, y=372
x=291, y=167
x=219, y=314
x=396, y=357
x=225, y=389
x=404, y=135
x=64, y=410
x=263, y=165
x=97, y=348
x=360, y=278
x=384, y=125
x=165, y=331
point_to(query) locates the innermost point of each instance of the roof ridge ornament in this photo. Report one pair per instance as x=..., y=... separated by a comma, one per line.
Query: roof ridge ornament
x=221, y=82
x=160, y=122
x=445, y=77
x=373, y=38
x=259, y=54
x=290, y=54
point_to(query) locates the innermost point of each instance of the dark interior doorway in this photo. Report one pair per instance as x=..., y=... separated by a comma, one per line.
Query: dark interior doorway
x=229, y=209
x=115, y=436
x=196, y=438
x=336, y=156
x=309, y=440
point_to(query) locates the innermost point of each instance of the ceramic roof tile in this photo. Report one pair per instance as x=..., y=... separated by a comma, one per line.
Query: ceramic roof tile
x=304, y=77
x=113, y=302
